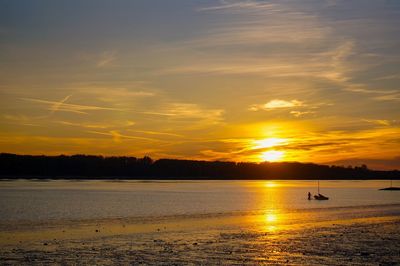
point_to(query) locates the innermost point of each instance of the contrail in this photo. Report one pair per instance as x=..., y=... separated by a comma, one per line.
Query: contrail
x=57, y=105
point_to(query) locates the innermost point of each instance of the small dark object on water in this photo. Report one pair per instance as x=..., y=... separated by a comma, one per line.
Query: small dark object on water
x=390, y=188
x=320, y=197
x=45, y=244
x=194, y=244
x=97, y=230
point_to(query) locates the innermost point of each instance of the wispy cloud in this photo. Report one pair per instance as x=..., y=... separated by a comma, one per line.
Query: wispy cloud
x=106, y=59
x=21, y=120
x=388, y=97
x=117, y=136
x=380, y=122
x=389, y=77
x=187, y=112
x=233, y=5
x=261, y=22
x=186, y=117
x=269, y=39
x=330, y=65
x=276, y=104
x=113, y=92
x=124, y=95
x=302, y=43
x=113, y=124
x=192, y=110
x=158, y=133
x=365, y=89
x=54, y=106
x=301, y=113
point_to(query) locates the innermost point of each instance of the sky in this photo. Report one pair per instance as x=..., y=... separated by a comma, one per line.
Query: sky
x=308, y=81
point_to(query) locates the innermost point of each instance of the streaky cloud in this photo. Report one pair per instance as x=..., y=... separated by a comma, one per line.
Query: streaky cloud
x=116, y=136
x=54, y=106
x=234, y=5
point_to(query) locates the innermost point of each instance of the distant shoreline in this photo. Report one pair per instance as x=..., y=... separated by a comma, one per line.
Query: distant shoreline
x=80, y=167
x=149, y=179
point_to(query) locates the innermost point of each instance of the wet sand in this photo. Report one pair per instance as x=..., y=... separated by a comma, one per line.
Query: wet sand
x=299, y=238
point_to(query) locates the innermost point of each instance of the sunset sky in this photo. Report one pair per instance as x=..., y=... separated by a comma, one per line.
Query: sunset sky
x=309, y=81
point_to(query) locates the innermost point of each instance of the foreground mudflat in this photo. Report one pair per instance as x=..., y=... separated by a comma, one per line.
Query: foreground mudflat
x=365, y=241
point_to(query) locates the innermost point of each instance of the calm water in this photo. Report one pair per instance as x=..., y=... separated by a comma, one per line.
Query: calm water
x=35, y=201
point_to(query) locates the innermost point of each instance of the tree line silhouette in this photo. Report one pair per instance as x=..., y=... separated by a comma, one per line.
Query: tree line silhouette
x=13, y=166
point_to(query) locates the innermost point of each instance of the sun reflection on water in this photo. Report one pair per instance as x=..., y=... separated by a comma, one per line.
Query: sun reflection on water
x=271, y=217
x=270, y=184
x=271, y=220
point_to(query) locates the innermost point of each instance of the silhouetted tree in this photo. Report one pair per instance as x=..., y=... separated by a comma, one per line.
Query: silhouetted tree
x=89, y=166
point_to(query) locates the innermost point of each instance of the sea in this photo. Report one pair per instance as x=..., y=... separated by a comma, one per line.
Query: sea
x=38, y=200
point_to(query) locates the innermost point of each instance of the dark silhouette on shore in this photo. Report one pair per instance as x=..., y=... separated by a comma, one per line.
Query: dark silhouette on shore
x=14, y=166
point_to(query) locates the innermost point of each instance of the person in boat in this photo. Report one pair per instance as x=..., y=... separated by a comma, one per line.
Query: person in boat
x=309, y=196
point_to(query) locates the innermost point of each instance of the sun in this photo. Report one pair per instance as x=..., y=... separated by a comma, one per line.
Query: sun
x=272, y=156
x=269, y=149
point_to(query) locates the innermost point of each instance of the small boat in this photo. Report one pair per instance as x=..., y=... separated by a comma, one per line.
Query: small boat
x=320, y=196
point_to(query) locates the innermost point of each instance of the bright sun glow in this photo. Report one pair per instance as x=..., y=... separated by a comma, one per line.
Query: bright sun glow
x=272, y=156
x=267, y=143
